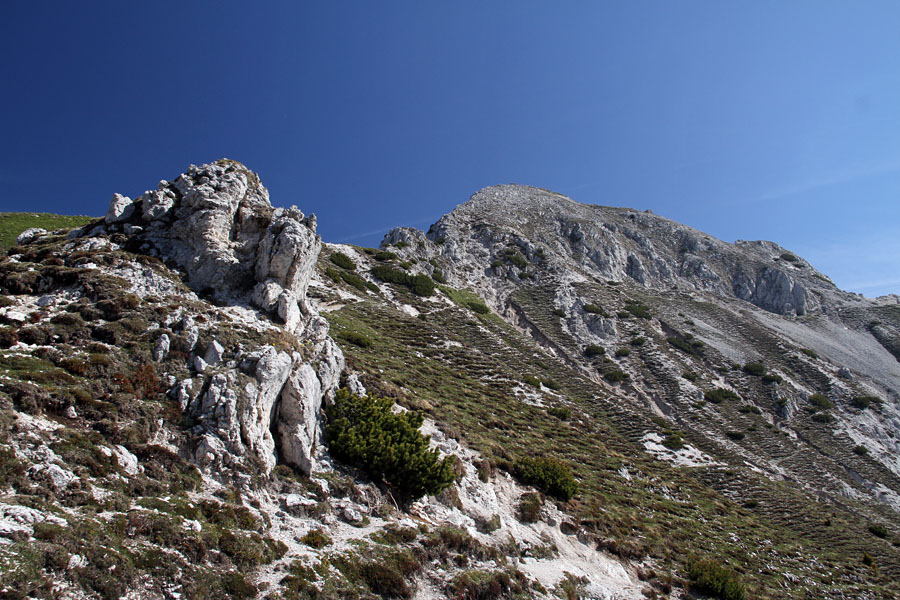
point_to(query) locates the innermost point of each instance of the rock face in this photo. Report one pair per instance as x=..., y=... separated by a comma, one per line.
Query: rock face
x=552, y=233
x=216, y=224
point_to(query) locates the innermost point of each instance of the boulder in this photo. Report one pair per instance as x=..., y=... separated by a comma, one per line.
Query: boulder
x=121, y=208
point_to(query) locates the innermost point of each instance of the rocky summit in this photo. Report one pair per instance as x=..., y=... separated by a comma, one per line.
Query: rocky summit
x=535, y=398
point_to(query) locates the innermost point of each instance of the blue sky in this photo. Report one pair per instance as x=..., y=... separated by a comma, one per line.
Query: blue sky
x=751, y=120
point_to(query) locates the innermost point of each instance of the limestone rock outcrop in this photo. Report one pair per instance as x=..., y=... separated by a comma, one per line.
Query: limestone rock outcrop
x=216, y=224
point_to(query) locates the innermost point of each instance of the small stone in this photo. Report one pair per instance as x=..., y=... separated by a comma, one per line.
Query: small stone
x=132, y=229
x=70, y=413
x=45, y=301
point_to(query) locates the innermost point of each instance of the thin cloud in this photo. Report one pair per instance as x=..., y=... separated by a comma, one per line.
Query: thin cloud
x=844, y=176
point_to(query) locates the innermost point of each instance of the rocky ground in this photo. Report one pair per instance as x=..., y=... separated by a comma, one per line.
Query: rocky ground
x=163, y=372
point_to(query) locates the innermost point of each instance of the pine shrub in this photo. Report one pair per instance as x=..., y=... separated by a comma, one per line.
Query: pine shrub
x=365, y=432
x=710, y=577
x=343, y=261
x=549, y=475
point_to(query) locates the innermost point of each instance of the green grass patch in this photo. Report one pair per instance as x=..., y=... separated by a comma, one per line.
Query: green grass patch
x=12, y=224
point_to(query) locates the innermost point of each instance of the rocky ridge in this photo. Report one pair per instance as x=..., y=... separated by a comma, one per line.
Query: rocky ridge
x=163, y=371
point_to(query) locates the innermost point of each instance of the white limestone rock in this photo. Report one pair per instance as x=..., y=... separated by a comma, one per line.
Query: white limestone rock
x=121, y=208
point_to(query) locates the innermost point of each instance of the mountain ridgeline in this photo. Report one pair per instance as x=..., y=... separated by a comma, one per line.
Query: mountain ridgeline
x=200, y=398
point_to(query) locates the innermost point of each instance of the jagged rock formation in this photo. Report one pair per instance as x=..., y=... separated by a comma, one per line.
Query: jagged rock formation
x=216, y=224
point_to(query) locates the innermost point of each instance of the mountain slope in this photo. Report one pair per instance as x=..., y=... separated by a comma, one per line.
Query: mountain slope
x=164, y=369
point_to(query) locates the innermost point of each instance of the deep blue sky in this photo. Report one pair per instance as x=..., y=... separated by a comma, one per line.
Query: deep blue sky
x=754, y=120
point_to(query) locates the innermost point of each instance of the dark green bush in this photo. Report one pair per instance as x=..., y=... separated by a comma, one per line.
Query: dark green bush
x=820, y=401
x=594, y=350
x=549, y=475
x=515, y=257
x=421, y=285
x=809, y=353
x=364, y=431
x=735, y=435
x=595, y=309
x=558, y=312
x=772, y=378
x=757, y=369
x=690, y=376
x=438, y=276
x=860, y=450
x=532, y=380
x=355, y=338
x=638, y=341
x=788, y=257
x=719, y=395
x=615, y=376
x=560, y=412
x=343, y=261
x=638, y=309
x=822, y=418
x=749, y=408
x=623, y=352
x=687, y=345
x=477, y=306
x=550, y=384
x=710, y=577
x=673, y=441
x=864, y=402
x=385, y=255
x=878, y=530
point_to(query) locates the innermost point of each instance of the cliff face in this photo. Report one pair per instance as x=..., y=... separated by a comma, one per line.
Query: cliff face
x=163, y=372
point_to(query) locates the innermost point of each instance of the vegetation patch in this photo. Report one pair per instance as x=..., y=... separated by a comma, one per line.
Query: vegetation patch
x=550, y=475
x=710, y=577
x=342, y=260
x=820, y=401
x=757, y=369
x=421, y=285
x=638, y=309
x=365, y=432
x=719, y=395
x=687, y=344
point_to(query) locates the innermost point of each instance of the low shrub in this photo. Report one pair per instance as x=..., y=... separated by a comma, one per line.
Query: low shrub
x=690, y=376
x=594, y=350
x=757, y=369
x=735, y=435
x=549, y=475
x=710, y=577
x=810, y=353
x=623, y=352
x=864, y=402
x=772, y=378
x=860, y=450
x=530, y=508
x=673, y=441
x=878, y=530
x=365, y=432
x=615, y=376
x=316, y=538
x=638, y=309
x=477, y=306
x=686, y=345
x=355, y=338
x=638, y=341
x=532, y=380
x=719, y=395
x=558, y=312
x=560, y=412
x=788, y=257
x=820, y=401
x=595, y=309
x=749, y=408
x=421, y=285
x=385, y=255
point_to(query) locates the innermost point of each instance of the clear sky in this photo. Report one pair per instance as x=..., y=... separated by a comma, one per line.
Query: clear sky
x=747, y=120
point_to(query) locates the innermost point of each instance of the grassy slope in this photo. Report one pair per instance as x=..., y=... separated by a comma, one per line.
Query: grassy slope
x=668, y=513
x=12, y=224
